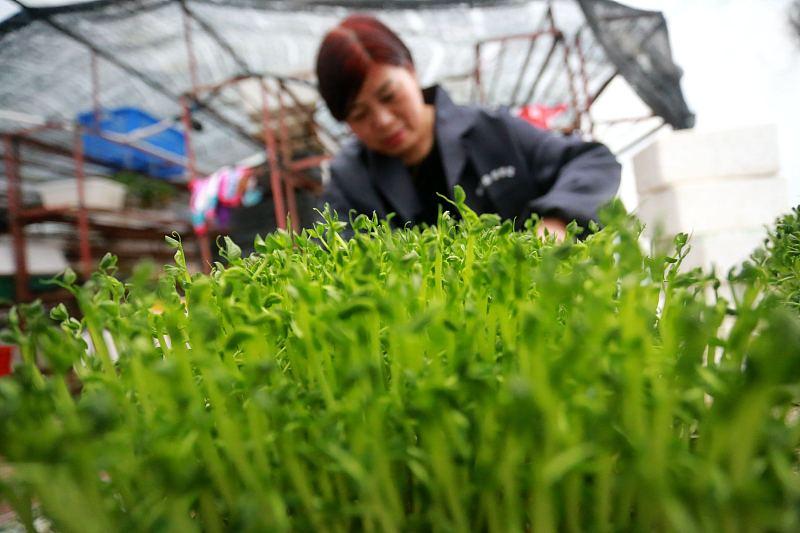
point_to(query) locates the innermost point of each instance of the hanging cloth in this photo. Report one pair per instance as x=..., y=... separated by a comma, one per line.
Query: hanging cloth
x=212, y=197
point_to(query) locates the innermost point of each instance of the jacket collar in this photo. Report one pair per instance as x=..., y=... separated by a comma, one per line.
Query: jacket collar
x=391, y=177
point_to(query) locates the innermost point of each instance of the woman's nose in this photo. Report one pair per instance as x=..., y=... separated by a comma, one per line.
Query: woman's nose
x=382, y=117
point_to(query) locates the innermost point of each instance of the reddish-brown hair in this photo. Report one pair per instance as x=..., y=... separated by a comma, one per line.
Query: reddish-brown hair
x=346, y=54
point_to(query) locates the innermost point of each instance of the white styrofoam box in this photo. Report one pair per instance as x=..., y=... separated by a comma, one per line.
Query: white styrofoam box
x=111, y=346
x=688, y=156
x=712, y=206
x=42, y=257
x=100, y=193
x=723, y=250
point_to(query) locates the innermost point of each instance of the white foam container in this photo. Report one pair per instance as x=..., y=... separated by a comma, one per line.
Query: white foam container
x=42, y=256
x=100, y=193
x=689, y=157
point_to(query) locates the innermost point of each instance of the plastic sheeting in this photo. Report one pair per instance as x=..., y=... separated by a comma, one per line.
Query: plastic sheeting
x=143, y=61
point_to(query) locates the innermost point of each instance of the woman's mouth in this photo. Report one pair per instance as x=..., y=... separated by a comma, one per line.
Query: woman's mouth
x=395, y=139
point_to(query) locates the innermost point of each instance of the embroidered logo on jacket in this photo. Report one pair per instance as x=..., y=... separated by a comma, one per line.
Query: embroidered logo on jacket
x=494, y=176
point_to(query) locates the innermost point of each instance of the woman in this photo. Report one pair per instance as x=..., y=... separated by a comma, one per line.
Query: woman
x=411, y=144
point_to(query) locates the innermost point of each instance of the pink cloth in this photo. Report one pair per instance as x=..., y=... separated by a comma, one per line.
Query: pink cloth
x=226, y=188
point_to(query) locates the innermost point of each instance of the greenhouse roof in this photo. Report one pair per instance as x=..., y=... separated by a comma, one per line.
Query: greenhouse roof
x=140, y=53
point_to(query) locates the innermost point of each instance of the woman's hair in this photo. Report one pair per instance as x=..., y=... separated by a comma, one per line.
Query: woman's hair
x=346, y=54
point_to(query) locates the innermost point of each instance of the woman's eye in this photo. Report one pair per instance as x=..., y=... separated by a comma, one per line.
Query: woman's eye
x=388, y=97
x=358, y=115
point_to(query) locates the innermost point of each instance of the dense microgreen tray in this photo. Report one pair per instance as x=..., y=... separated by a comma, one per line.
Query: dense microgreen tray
x=462, y=377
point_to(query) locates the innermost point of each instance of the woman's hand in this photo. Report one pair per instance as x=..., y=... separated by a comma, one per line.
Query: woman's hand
x=553, y=226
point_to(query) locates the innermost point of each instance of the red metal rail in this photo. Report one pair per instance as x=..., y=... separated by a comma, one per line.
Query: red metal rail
x=83, y=215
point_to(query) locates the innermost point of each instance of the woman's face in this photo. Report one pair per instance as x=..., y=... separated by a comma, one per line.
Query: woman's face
x=390, y=116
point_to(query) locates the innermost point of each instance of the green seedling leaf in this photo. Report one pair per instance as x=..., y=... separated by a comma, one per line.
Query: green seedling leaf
x=59, y=313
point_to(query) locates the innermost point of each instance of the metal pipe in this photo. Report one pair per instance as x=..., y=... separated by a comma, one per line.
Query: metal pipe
x=525, y=63
x=202, y=239
x=573, y=93
x=309, y=109
x=41, y=127
x=155, y=151
x=286, y=157
x=557, y=37
x=224, y=44
x=83, y=215
x=186, y=118
x=582, y=61
x=498, y=69
x=216, y=87
x=622, y=120
x=147, y=131
x=603, y=87
x=587, y=102
x=291, y=200
x=531, y=47
x=116, y=138
x=11, y=149
x=95, y=90
x=283, y=130
x=187, y=37
x=272, y=156
x=641, y=138
x=60, y=150
x=477, y=87
x=518, y=36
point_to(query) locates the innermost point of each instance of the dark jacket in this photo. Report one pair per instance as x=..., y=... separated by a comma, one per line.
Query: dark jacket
x=505, y=165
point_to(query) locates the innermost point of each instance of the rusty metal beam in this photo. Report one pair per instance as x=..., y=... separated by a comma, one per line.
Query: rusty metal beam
x=272, y=156
x=11, y=149
x=83, y=215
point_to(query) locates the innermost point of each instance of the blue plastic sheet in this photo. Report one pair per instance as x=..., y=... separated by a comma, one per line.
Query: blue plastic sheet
x=124, y=120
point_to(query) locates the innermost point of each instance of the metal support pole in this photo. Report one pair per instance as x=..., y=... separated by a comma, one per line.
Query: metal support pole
x=11, y=149
x=603, y=86
x=187, y=36
x=529, y=97
x=286, y=158
x=272, y=156
x=291, y=200
x=205, y=245
x=95, y=90
x=523, y=70
x=573, y=93
x=640, y=138
x=498, y=70
x=479, y=90
x=529, y=54
x=557, y=36
x=186, y=117
x=83, y=215
x=587, y=103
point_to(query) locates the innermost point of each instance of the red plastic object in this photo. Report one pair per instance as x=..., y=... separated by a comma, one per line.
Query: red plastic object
x=5, y=360
x=541, y=116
